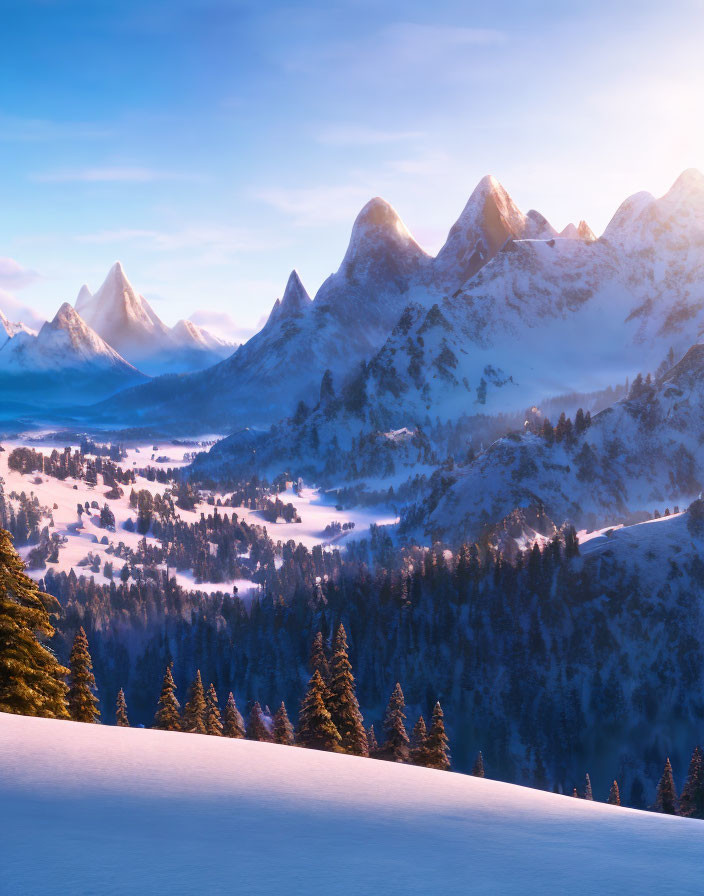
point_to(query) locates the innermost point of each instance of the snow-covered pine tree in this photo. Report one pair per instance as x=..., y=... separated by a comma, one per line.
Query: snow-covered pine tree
x=318, y=661
x=437, y=744
x=692, y=798
x=194, y=710
x=372, y=745
x=213, y=720
x=121, y=719
x=316, y=729
x=82, y=700
x=283, y=729
x=233, y=723
x=31, y=679
x=614, y=795
x=419, y=739
x=256, y=726
x=478, y=767
x=588, y=795
x=666, y=796
x=396, y=747
x=342, y=703
x=168, y=715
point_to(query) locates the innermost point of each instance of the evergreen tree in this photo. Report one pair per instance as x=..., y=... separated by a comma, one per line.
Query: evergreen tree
x=574, y=793
x=692, y=798
x=419, y=739
x=437, y=744
x=213, y=720
x=614, y=795
x=82, y=701
x=194, y=711
x=318, y=661
x=233, y=724
x=372, y=745
x=666, y=796
x=478, y=767
x=121, y=711
x=256, y=726
x=396, y=746
x=31, y=679
x=168, y=717
x=316, y=729
x=588, y=795
x=283, y=729
x=342, y=703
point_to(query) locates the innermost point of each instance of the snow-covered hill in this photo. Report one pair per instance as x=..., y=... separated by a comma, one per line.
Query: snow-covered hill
x=65, y=360
x=127, y=321
x=88, y=808
x=642, y=454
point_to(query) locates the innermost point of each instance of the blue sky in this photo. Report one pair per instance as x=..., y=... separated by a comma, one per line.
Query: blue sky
x=213, y=146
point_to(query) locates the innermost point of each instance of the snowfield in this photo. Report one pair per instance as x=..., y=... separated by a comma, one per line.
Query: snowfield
x=97, y=809
x=315, y=511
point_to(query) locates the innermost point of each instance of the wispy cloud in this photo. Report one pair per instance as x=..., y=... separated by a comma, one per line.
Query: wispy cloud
x=225, y=239
x=361, y=135
x=14, y=276
x=226, y=327
x=15, y=129
x=315, y=206
x=16, y=312
x=114, y=174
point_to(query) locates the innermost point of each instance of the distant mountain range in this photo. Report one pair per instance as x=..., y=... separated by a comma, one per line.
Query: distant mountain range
x=108, y=341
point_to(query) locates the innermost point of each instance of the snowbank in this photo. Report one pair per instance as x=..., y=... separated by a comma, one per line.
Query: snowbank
x=93, y=809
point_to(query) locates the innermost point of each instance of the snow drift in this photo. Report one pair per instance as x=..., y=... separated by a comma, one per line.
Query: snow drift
x=91, y=809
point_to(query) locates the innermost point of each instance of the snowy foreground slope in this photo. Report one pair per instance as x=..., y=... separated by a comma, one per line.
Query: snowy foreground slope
x=92, y=809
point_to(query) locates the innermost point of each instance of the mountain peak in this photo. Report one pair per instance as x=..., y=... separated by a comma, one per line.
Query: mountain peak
x=690, y=181
x=376, y=219
x=488, y=220
x=83, y=298
x=295, y=298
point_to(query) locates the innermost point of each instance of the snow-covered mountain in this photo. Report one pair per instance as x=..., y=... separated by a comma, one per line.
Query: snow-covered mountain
x=581, y=232
x=66, y=358
x=357, y=822
x=127, y=321
x=643, y=454
x=9, y=329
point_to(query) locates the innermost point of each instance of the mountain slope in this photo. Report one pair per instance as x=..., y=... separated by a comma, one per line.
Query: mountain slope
x=644, y=453
x=296, y=819
x=66, y=358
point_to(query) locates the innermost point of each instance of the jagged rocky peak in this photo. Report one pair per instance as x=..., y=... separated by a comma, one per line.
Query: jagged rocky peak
x=538, y=227
x=690, y=184
x=488, y=220
x=581, y=232
x=296, y=298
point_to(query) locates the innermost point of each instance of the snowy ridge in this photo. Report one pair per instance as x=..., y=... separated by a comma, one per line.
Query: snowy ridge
x=298, y=818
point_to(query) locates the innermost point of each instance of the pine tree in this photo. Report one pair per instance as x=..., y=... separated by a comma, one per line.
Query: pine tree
x=574, y=793
x=396, y=746
x=666, y=797
x=614, y=795
x=342, y=703
x=168, y=717
x=194, y=711
x=437, y=745
x=588, y=795
x=478, y=767
x=233, y=723
x=283, y=729
x=692, y=798
x=82, y=701
x=256, y=726
x=213, y=720
x=372, y=745
x=121, y=711
x=31, y=679
x=316, y=729
x=318, y=661
x=419, y=739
